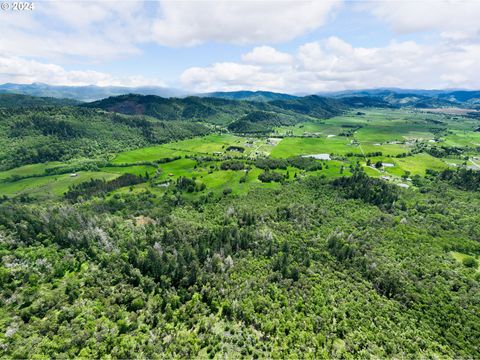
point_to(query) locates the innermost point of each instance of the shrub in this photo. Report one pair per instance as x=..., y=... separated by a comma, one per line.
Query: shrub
x=470, y=262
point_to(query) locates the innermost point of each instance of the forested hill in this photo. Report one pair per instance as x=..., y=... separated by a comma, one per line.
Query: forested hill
x=312, y=105
x=36, y=135
x=261, y=122
x=17, y=100
x=84, y=93
x=214, y=109
x=398, y=98
x=249, y=95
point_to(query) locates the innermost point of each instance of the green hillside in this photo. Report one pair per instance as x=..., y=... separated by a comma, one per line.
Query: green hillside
x=261, y=122
x=16, y=101
x=58, y=134
x=250, y=95
x=215, y=110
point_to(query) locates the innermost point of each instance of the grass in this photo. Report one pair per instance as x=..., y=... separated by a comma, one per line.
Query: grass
x=146, y=154
x=181, y=167
x=135, y=170
x=396, y=131
x=461, y=256
x=28, y=170
x=375, y=132
x=48, y=186
x=416, y=164
x=207, y=145
x=289, y=147
x=462, y=138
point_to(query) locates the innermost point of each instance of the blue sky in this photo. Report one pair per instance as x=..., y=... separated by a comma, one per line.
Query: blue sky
x=291, y=46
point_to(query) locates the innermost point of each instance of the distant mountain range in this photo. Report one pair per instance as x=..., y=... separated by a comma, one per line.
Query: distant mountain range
x=383, y=97
x=409, y=98
x=250, y=95
x=85, y=93
x=22, y=101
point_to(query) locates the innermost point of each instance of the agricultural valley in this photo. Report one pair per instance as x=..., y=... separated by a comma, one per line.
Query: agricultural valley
x=241, y=224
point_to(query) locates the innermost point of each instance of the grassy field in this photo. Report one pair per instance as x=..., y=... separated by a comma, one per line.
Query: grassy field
x=416, y=164
x=374, y=131
x=54, y=185
x=289, y=147
x=146, y=154
x=28, y=170
x=136, y=170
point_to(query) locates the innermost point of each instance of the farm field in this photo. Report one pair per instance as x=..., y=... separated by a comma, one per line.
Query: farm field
x=48, y=186
x=401, y=138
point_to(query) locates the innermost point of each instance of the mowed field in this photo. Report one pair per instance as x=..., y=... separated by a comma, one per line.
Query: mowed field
x=395, y=137
x=53, y=185
x=310, y=146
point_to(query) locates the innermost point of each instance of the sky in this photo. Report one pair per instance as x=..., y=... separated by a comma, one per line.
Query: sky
x=274, y=45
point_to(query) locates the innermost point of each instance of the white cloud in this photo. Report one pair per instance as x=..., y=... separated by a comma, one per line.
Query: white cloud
x=69, y=29
x=230, y=76
x=334, y=64
x=99, y=30
x=448, y=16
x=23, y=71
x=265, y=55
x=187, y=23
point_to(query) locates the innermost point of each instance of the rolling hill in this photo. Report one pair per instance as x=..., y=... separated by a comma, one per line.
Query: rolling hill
x=17, y=100
x=218, y=111
x=261, y=122
x=249, y=95
x=409, y=98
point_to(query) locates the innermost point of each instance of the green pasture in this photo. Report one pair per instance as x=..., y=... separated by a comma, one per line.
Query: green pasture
x=289, y=147
x=54, y=185
x=28, y=170
x=386, y=149
x=416, y=164
x=207, y=145
x=151, y=153
x=462, y=138
x=135, y=170
x=394, y=132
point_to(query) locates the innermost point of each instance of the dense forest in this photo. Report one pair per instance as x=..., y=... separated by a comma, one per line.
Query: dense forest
x=218, y=110
x=317, y=270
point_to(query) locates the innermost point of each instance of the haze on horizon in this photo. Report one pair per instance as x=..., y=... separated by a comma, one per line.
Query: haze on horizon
x=283, y=46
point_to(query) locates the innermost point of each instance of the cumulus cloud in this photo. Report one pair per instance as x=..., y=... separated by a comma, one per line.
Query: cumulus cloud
x=23, y=71
x=267, y=55
x=187, y=23
x=86, y=29
x=333, y=64
x=453, y=18
x=99, y=30
x=231, y=77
